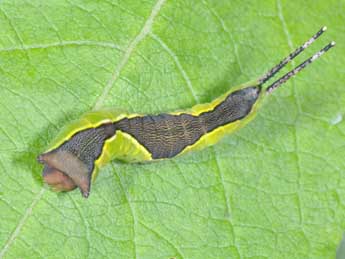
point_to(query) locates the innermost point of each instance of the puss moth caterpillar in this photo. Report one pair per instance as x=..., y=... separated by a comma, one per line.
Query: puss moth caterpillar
x=83, y=146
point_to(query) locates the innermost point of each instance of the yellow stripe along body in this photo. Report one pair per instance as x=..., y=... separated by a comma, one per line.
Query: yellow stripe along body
x=122, y=146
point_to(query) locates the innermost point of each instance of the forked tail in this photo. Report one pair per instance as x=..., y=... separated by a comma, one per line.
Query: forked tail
x=290, y=57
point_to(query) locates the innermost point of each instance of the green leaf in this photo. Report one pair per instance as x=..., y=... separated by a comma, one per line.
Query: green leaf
x=273, y=190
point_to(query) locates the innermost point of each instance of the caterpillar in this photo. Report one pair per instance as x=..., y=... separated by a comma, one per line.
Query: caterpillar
x=73, y=159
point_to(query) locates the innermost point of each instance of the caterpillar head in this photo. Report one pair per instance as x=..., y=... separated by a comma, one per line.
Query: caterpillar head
x=64, y=172
x=72, y=163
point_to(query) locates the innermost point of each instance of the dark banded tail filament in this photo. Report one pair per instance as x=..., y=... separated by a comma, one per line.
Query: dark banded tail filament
x=291, y=56
x=297, y=69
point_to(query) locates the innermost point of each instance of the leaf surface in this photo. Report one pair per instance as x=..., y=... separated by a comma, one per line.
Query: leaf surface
x=275, y=189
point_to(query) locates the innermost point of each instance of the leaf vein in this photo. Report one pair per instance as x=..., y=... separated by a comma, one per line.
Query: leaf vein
x=178, y=64
x=21, y=223
x=128, y=52
x=68, y=43
x=286, y=31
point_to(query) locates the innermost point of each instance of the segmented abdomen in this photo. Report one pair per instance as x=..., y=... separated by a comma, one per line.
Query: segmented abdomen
x=166, y=135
